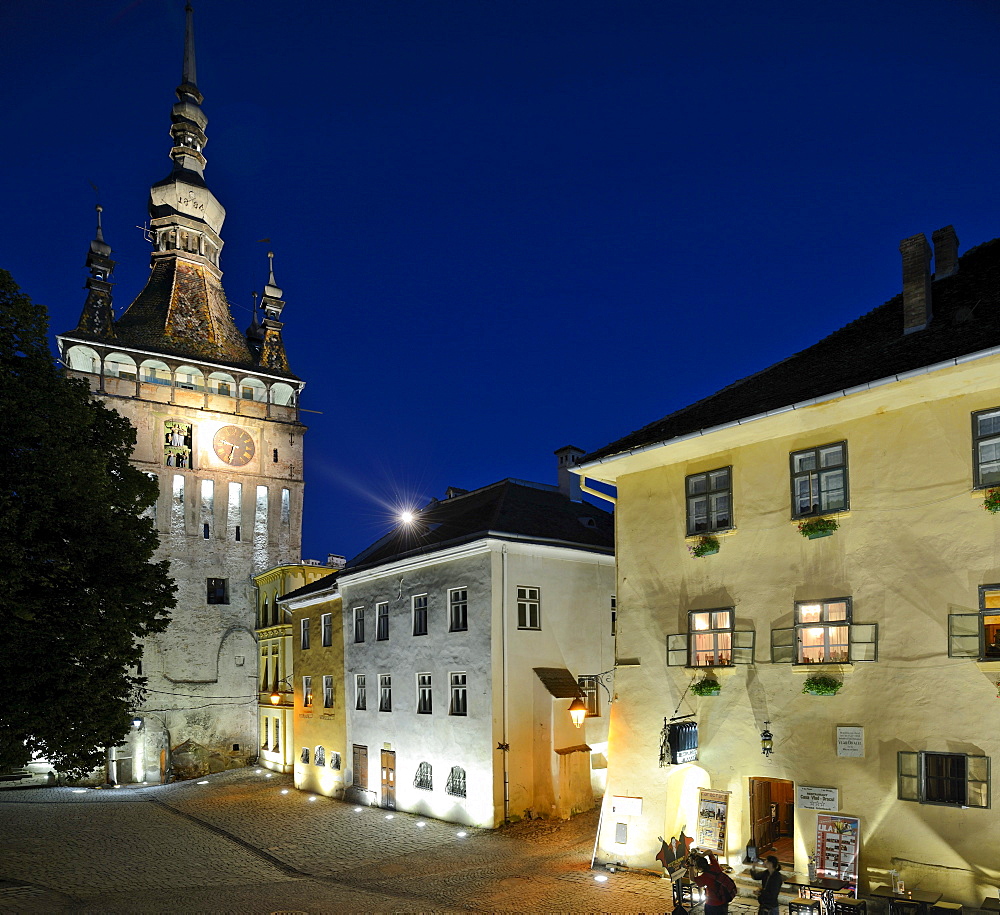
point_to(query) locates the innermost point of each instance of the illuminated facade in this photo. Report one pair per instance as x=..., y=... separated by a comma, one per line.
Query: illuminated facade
x=216, y=416
x=891, y=428
x=467, y=636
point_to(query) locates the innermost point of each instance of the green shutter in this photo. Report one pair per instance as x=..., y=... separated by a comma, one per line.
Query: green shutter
x=864, y=642
x=978, y=781
x=743, y=646
x=963, y=635
x=908, y=775
x=782, y=646
x=677, y=650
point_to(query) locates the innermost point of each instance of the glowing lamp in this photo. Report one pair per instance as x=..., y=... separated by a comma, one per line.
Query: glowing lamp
x=766, y=740
x=577, y=711
x=275, y=697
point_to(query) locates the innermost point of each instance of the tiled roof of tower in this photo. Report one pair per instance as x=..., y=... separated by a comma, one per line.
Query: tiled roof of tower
x=509, y=509
x=966, y=319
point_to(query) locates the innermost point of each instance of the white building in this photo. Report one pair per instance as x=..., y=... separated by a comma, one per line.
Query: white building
x=467, y=636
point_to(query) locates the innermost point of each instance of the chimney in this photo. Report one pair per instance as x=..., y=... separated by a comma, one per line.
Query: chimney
x=569, y=483
x=453, y=492
x=333, y=561
x=916, y=282
x=945, y=252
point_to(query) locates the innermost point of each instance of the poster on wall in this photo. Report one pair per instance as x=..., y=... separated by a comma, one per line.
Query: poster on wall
x=713, y=812
x=837, y=843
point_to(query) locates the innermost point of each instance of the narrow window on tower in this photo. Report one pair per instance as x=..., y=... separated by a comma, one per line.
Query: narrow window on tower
x=177, y=505
x=260, y=554
x=275, y=456
x=286, y=506
x=207, y=507
x=235, y=511
x=151, y=511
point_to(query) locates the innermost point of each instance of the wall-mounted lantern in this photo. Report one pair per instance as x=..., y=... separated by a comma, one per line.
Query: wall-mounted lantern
x=766, y=740
x=577, y=711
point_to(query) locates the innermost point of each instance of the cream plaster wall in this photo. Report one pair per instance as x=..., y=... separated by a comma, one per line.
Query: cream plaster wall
x=915, y=546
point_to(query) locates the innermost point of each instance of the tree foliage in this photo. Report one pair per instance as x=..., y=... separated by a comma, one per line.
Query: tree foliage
x=76, y=575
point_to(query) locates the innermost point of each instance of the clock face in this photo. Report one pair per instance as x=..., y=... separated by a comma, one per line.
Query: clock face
x=234, y=446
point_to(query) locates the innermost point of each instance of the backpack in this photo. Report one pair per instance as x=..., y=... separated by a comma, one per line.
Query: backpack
x=725, y=886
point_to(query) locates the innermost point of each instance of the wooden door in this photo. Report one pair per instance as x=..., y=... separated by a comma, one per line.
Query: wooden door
x=389, y=779
x=760, y=813
x=360, y=767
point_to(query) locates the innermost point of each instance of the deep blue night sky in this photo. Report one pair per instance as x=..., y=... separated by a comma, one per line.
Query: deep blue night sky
x=502, y=227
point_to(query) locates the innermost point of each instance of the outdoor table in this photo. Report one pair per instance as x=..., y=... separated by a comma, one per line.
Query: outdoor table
x=822, y=888
x=920, y=896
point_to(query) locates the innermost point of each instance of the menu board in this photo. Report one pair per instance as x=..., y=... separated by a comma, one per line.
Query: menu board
x=837, y=842
x=713, y=812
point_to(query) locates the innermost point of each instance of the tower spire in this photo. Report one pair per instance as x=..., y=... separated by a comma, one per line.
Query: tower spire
x=189, y=72
x=271, y=353
x=97, y=317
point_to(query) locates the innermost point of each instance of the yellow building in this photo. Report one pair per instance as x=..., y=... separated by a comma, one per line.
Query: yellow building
x=890, y=428
x=319, y=729
x=274, y=646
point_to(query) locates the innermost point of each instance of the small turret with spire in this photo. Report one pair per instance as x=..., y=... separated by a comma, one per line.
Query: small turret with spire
x=272, y=349
x=97, y=318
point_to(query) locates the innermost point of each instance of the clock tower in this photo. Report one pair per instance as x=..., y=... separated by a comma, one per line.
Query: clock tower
x=216, y=414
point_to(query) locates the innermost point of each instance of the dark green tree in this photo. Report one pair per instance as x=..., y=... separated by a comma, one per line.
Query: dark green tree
x=79, y=586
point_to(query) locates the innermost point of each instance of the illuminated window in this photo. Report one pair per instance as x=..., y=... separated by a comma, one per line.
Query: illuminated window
x=459, y=694
x=709, y=501
x=327, y=692
x=420, y=614
x=458, y=610
x=529, y=608
x=950, y=779
x=217, y=591
x=986, y=447
x=326, y=629
x=424, y=694
x=276, y=746
x=382, y=621
x=819, y=480
x=307, y=692
x=977, y=635
x=359, y=624
x=304, y=633
x=360, y=693
x=385, y=693
x=424, y=777
x=588, y=686
x=825, y=633
x=456, y=782
x=712, y=640
x=263, y=743
x=177, y=444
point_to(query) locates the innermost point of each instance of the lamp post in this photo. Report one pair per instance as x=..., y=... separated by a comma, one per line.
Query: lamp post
x=166, y=763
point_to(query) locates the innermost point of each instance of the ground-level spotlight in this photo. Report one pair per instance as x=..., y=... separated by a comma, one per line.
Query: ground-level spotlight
x=284, y=791
x=601, y=878
x=357, y=810
x=388, y=816
x=257, y=771
x=202, y=783
x=462, y=834
x=421, y=825
x=79, y=790
x=312, y=797
x=269, y=775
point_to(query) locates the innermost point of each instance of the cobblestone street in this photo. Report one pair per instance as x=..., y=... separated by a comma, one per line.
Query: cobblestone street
x=246, y=842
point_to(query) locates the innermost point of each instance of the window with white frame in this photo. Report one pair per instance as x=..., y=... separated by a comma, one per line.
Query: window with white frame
x=359, y=624
x=304, y=755
x=458, y=610
x=424, y=694
x=709, y=501
x=949, y=779
x=304, y=633
x=327, y=692
x=986, y=448
x=459, y=694
x=307, y=692
x=360, y=693
x=385, y=693
x=819, y=480
x=977, y=635
x=529, y=608
x=712, y=640
x=382, y=621
x=326, y=629
x=588, y=686
x=456, y=782
x=825, y=633
x=424, y=777
x=420, y=614
x=319, y=756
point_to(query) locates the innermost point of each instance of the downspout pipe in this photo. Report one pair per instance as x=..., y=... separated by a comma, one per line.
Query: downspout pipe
x=503, y=649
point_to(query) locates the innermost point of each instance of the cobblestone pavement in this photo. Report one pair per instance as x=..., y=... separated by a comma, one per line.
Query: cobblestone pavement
x=245, y=842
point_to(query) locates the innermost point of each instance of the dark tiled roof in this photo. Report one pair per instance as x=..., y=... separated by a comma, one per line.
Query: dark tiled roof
x=513, y=509
x=320, y=584
x=966, y=319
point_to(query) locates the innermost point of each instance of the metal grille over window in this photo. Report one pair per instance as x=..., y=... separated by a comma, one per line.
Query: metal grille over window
x=709, y=501
x=819, y=480
x=319, y=756
x=335, y=761
x=304, y=755
x=456, y=782
x=424, y=779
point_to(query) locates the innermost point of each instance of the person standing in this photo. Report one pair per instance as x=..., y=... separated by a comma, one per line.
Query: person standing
x=706, y=872
x=770, y=885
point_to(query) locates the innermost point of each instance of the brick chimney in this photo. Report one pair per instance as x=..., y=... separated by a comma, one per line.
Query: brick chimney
x=945, y=252
x=916, y=282
x=569, y=483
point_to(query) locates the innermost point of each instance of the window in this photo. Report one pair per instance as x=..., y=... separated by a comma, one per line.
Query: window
x=709, y=501
x=385, y=693
x=304, y=755
x=327, y=692
x=824, y=633
x=217, y=591
x=304, y=633
x=360, y=693
x=711, y=641
x=359, y=767
x=529, y=613
x=307, y=692
x=458, y=610
x=326, y=627
x=614, y=616
x=952, y=779
x=459, y=694
x=424, y=777
x=359, y=624
x=420, y=614
x=335, y=761
x=263, y=743
x=177, y=441
x=276, y=746
x=424, y=699
x=456, y=782
x=382, y=621
x=986, y=448
x=819, y=480
x=977, y=635
x=588, y=686
x=319, y=756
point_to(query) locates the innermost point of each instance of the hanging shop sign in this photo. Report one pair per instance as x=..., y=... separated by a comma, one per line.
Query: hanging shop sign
x=679, y=742
x=817, y=798
x=713, y=814
x=850, y=741
x=837, y=842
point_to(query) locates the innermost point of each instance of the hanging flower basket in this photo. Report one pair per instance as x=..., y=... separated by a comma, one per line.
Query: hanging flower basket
x=705, y=546
x=991, y=502
x=821, y=686
x=706, y=687
x=813, y=528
